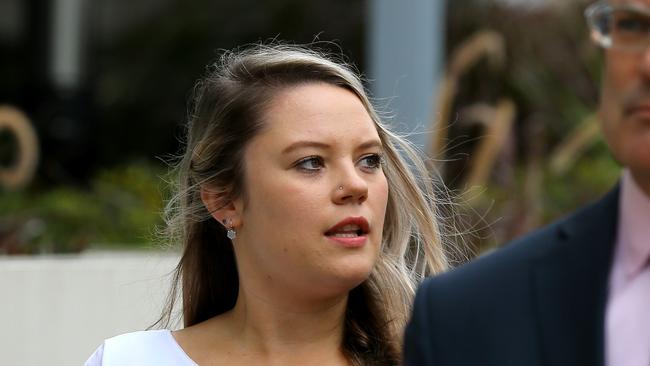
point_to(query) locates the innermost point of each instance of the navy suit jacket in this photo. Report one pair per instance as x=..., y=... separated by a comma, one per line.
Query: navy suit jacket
x=538, y=301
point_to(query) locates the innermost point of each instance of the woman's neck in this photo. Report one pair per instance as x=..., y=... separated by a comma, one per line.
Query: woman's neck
x=270, y=329
x=275, y=324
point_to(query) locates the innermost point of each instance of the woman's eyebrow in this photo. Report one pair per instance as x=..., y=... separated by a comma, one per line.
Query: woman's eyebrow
x=305, y=143
x=371, y=143
x=321, y=145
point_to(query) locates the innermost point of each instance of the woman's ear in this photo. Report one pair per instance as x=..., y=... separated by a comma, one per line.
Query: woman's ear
x=220, y=206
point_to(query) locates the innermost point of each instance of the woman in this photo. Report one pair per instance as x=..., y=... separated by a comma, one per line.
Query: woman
x=304, y=232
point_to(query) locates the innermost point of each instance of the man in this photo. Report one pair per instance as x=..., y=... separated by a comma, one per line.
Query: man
x=578, y=291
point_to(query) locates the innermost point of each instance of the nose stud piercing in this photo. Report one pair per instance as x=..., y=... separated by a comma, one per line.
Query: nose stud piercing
x=340, y=188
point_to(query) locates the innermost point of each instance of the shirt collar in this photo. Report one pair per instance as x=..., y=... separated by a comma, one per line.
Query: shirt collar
x=634, y=225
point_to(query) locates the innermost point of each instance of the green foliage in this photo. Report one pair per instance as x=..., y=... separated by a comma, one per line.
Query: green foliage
x=593, y=174
x=499, y=213
x=551, y=73
x=121, y=208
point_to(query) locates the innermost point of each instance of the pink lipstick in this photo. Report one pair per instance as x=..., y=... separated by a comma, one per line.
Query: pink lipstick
x=639, y=110
x=351, y=232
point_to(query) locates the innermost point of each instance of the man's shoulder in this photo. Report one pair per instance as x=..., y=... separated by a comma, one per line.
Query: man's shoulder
x=500, y=267
x=511, y=264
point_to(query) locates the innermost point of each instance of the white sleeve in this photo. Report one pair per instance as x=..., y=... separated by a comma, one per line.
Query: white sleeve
x=96, y=358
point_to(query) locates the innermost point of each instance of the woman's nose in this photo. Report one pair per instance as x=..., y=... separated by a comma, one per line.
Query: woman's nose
x=351, y=187
x=645, y=64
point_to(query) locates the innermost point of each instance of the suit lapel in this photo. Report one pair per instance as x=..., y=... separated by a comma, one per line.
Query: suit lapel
x=570, y=281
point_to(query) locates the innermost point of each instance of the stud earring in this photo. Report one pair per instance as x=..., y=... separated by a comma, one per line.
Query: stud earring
x=231, y=234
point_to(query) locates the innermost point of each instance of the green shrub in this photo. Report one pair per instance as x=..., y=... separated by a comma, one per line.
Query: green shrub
x=121, y=208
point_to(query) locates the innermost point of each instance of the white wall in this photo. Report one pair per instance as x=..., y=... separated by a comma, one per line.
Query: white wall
x=55, y=310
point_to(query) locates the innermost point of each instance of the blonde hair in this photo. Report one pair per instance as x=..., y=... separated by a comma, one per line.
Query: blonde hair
x=226, y=114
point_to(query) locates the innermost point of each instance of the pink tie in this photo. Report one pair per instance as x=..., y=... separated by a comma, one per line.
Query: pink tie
x=628, y=318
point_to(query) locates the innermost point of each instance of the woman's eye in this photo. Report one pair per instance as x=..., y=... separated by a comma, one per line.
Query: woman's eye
x=372, y=161
x=310, y=164
x=631, y=24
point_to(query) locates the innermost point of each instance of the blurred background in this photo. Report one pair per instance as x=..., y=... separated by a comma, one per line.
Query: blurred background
x=499, y=94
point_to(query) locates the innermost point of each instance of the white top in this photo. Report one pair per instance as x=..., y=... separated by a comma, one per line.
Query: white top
x=153, y=347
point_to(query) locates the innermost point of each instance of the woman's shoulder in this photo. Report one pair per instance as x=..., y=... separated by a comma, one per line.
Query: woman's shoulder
x=138, y=341
x=152, y=347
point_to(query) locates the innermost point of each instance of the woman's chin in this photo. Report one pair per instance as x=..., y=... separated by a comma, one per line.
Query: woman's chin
x=347, y=278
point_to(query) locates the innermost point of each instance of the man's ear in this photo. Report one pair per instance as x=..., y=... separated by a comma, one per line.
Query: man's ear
x=220, y=206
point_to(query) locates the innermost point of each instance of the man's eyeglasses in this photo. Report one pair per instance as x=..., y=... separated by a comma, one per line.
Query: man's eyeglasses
x=622, y=27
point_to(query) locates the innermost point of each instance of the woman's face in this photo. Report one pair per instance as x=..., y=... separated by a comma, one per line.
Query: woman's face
x=316, y=194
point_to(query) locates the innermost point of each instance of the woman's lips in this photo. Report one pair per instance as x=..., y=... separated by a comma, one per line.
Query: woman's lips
x=639, y=111
x=350, y=232
x=355, y=242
